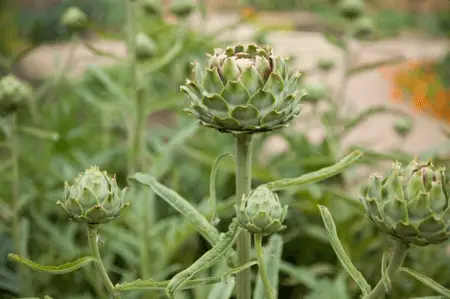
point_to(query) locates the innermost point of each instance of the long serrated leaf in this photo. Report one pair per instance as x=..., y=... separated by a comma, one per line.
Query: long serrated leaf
x=301, y=274
x=201, y=224
x=384, y=274
x=212, y=185
x=375, y=65
x=55, y=270
x=206, y=260
x=272, y=258
x=429, y=297
x=316, y=176
x=435, y=286
x=340, y=252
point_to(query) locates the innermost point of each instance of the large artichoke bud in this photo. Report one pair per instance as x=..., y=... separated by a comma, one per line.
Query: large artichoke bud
x=244, y=89
x=74, y=19
x=261, y=212
x=410, y=204
x=13, y=94
x=93, y=198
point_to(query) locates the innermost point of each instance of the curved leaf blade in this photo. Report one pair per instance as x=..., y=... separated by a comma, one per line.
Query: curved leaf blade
x=55, y=270
x=438, y=288
x=212, y=185
x=201, y=224
x=340, y=252
x=316, y=176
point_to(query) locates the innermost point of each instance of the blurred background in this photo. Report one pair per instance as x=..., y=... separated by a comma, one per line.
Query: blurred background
x=380, y=84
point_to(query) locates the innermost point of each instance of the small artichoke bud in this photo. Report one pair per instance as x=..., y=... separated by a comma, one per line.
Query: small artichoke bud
x=152, y=7
x=364, y=28
x=261, y=212
x=244, y=89
x=145, y=46
x=315, y=92
x=410, y=204
x=182, y=8
x=13, y=94
x=351, y=9
x=403, y=126
x=325, y=64
x=93, y=198
x=75, y=19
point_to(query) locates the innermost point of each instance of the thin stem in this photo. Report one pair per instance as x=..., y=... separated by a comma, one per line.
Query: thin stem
x=147, y=220
x=262, y=266
x=135, y=132
x=243, y=186
x=14, y=146
x=92, y=231
x=395, y=263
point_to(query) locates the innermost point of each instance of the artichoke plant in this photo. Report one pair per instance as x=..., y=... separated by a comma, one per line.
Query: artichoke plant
x=13, y=93
x=244, y=89
x=145, y=46
x=316, y=92
x=93, y=198
x=403, y=126
x=351, y=9
x=261, y=212
x=410, y=204
x=74, y=19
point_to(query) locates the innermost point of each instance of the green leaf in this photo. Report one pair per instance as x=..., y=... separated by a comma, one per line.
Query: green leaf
x=340, y=252
x=150, y=284
x=106, y=80
x=272, y=258
x=55, y=270
x=316, y=176
x=201, y=224
x=428, y=282
x=384, y=274
x=206, y=260
x=223, y=290
x=429, y=297
x=212, y=185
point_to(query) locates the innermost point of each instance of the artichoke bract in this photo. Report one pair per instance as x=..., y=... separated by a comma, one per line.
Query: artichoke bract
x=93, y=198
x=13, y=94
x=261, y=212
x=410, y=204
x=244, y=89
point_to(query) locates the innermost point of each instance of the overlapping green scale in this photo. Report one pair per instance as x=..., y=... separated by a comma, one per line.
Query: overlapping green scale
x=93, y=198
x=244, y=89
x=261, y=212
x=410, y=204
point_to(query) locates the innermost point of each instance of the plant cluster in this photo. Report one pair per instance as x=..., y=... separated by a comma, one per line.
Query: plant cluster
x=247, y=92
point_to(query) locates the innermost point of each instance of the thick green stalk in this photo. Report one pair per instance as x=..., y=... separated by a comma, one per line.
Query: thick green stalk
x=136, y=138
x=262, y=266
x=137, y=123
x=243, y=186
x=14, y=146
x=395, y=263
x=92, y=231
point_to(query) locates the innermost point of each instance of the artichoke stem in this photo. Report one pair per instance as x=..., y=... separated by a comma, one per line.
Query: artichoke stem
x=262, y=266
x=243, y=187
x=92, y=232
x=400, y=251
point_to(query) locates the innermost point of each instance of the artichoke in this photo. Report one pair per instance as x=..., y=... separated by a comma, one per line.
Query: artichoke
x=315, y=92
x=152, y=7
x=74, y=19
x=364, y=28
x=403, y=126
x=13, y=94
x=145, y=47
x=325, y=64
x=261, y=212
x=182, y=8
x=351, y=9
x=410, y=204
x=244, y=89
x=93, y=198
